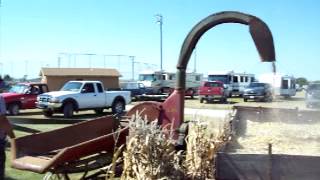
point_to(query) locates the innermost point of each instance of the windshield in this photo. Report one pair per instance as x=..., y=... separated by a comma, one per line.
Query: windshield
x=252, y=85
x=71, y=86
x=223, y=78
x=147, y=77
x=20, y=88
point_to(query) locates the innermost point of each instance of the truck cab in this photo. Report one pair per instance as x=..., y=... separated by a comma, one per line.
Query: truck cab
x=23, y=96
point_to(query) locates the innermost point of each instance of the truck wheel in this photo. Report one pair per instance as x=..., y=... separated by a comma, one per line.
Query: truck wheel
x=68, y=110
x=118, y=107
x=201, y=100
x=98, y=111
x=223, y=100
x=192, y=94
x=47, y=113
x=14, y=109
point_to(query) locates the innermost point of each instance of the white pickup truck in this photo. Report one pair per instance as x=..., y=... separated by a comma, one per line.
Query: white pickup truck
x=82, y=95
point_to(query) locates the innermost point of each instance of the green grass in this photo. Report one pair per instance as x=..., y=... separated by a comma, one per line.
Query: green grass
x=18, y=174
x=12, y=173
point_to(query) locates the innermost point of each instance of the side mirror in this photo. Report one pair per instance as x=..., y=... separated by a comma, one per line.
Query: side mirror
x=225, y=86
x=27, y=91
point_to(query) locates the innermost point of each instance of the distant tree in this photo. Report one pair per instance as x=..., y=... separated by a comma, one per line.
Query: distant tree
x=7, y=77
x=302, y=81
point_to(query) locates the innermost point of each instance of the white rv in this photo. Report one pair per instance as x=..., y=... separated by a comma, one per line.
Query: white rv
x=164, y=82
x=235, y=83
x=283, y=85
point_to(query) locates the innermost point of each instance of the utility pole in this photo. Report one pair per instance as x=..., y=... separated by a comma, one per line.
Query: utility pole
x=195, y=59
x=26, y=69
x=59, y=61
x=104, y=61
x=160, y=21
x=132, y=64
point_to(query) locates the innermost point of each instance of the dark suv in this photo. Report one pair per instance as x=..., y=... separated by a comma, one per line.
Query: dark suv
x=313, y=95
x=258, y=91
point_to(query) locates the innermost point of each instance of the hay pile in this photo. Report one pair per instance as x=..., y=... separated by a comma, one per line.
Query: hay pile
x=295, y=139
x=151, y=155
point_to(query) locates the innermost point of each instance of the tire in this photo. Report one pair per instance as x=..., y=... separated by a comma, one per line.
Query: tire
x=47, y=113
x=118, y=106
x=201, y=100
x=14, y=109
x=192, y=93
x=99, y=111
x=223, y=100
x=68, y=109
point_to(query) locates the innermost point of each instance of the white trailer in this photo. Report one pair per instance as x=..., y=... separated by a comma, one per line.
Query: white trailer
x=164, y=82
x=283, y=85
x=235, y=83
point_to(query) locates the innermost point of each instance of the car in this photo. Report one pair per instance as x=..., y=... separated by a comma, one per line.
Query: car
x=258, y=91
x=23, y=96
x=312, y=97
x=212, y=90
x=136, y=88
x=83, y=95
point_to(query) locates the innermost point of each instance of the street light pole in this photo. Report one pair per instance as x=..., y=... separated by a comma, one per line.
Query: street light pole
x=160, y=21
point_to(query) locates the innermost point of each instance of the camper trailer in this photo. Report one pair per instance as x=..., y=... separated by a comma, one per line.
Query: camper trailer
x=283, y=85
x=235, y=83
x=164, y=82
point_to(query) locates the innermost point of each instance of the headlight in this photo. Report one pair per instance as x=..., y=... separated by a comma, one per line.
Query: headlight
x=54, y=100
x=38, y=98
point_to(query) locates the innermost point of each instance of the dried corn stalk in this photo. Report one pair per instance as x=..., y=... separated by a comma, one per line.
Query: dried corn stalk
x=202, y=146
x=150, y=154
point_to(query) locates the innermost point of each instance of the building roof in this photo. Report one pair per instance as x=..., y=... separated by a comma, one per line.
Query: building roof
x=79, y=72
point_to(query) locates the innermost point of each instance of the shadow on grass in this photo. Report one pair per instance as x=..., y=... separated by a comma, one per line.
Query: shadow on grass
x=9, y=178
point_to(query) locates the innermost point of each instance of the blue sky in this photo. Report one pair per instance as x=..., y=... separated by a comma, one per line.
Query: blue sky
x=34, y=32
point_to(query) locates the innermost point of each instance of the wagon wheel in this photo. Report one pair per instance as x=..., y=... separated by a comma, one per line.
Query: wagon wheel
x=85, y=165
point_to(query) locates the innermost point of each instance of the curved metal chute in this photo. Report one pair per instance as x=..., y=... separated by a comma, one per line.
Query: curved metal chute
x=259, y=31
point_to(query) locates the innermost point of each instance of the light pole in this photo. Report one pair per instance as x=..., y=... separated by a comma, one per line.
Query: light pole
x=160, y=21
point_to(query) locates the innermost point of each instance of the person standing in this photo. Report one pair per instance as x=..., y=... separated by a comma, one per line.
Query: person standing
x=3, y=137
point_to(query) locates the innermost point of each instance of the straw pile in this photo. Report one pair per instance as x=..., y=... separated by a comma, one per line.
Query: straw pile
x=150, y=154
x=295, y=139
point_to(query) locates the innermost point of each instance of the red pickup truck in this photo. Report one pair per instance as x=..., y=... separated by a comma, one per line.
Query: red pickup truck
x=211, y=90
x=23, y=96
